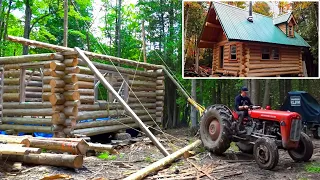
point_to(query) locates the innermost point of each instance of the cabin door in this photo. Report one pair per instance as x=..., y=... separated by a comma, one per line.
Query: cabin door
x=221, y=57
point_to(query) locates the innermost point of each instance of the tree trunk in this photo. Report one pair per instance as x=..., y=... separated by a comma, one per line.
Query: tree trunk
x=281, y=90
x=118, y=31
x=27, y=22
x=219, y=92
x=65, y=24
x=144, y=43
x=186, y=16
x=5, y=25
x=193, y=114
x=254, y=91
x=266, y=98
x=214, y=92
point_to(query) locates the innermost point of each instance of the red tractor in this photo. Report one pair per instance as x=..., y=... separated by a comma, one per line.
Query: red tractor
x=263, y=132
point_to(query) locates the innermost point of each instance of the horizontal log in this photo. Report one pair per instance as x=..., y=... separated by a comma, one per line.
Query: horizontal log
x=11, y=97
x=111, y=122
x=27, y=112
x=104, y=113
x=87, y=99
x=30, y=58
x=71, y=147
x=85, y=70
x=86, y=92
x=15, y=149
x=274, y=69
x=102, y=130
x=15, y=140
x=71, y=78
x=58, y=108
x=27, y=120
x=34, y=89
x=16, y=73
x=54, y=83
x=58, y=118
x=59, y=160
x=71, y=87
x=112, y=106
x=85, y=85
x=18, y=66
x=85, y=77
x=72, y=103
x=33, y=94
x=100, y=147
x=26, y=105
x=11, y=89
x=26, y=129
x=263, y=66
x=70, y=62
x=273, y=74
x=57, y=66
x=107, y=67
x=70, y=70
x=57, y=99
x=71, y=95
x=143, y=100
x=48, y=79
x=142, y=94
x=70, y=111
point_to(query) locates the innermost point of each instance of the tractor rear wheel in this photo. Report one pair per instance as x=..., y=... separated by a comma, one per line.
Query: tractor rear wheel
x=265, y=152
x=316, y=133
x=245, y=147
x=304, y=151
x=215, y=130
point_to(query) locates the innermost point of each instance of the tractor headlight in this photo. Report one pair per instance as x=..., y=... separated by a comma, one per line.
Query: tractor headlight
x=295, y=131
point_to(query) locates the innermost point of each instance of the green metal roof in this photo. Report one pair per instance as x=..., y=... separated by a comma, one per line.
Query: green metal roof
x=281, y=19
x=236, y=26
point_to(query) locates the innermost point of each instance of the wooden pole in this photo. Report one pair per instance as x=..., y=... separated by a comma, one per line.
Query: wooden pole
x=106, y=84
x=162, y=162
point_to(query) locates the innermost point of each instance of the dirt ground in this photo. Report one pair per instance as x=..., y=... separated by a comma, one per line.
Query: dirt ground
x=233, y=165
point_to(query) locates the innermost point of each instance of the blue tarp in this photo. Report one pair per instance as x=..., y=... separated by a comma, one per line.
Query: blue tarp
x=304, y=104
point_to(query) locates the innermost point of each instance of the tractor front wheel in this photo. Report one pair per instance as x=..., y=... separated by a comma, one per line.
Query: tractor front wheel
x=215, y=130
x=316, y=133
x=304, y=151
x=265, y=152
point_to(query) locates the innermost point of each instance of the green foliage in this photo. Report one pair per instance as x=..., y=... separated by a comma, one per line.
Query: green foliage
x=148, y=159
x=313, y=167
x=261, y=8
x=107, y=156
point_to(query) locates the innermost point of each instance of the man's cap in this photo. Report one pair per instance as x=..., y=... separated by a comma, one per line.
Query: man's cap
x=244, y=88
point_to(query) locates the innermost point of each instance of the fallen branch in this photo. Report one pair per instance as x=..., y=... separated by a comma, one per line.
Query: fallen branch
x=162, y=162
x=199, y=169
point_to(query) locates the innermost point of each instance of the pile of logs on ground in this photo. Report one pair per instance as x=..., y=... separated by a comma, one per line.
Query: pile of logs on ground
x=32, y=150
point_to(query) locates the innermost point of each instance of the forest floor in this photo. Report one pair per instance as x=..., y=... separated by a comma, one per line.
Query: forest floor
x=233, y=165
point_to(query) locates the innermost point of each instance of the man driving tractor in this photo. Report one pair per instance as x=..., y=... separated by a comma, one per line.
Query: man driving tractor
x=242, y=103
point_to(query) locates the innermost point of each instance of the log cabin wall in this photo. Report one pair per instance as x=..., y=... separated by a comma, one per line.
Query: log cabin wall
x=26, y=92
x=289, y=62
x=60, y=96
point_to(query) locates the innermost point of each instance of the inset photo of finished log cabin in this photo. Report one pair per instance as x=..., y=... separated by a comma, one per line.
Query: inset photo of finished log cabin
x=250, y=39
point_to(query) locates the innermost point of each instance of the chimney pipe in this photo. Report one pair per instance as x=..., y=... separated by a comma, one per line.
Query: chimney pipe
x=250, y=18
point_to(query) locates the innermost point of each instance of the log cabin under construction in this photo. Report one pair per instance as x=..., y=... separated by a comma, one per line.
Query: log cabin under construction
x=57, y=93
x=249, y=44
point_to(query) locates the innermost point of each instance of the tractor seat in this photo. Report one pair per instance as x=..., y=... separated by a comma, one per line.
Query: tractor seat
x=236, y=116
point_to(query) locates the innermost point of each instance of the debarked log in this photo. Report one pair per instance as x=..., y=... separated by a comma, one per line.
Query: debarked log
x=26, y=128
x=15, y=149
x=70, y=62
x=107, y=129
x=105, y=113
x=60, y=160
x=28, y=112
x=25, y=105
x=29, y=58
x=112, y=122
x=80, y=147
x=15, y=140
x=27, y=120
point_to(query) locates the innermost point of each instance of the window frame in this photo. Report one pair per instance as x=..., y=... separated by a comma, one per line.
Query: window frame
x=270, y=53
x=291, y=34
x=230, y=53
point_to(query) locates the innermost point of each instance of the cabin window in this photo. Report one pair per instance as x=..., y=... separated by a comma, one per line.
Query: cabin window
x=265, y=53
x=274, y=53
x=233, y=52
x=31, y=84
x=290, y=30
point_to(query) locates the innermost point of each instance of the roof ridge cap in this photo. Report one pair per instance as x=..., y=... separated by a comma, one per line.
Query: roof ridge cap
x=241, y=9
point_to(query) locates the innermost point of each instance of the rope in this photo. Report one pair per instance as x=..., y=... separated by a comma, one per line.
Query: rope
x=124, y=79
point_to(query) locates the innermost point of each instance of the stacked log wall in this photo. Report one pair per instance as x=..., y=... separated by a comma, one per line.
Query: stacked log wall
x=27, y=110
x=288, y=64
